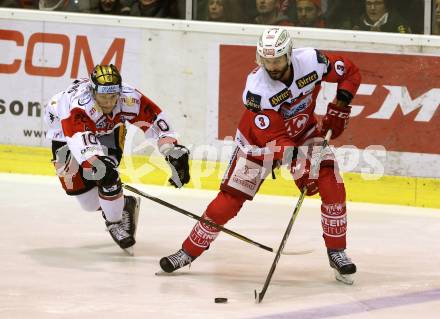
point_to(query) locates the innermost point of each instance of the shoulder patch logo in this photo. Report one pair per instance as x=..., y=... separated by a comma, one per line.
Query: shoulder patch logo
x=306, y=79
x=280, y=97
x=253, y=101
x=321, y=58
x=262, y=121
x=340, y=67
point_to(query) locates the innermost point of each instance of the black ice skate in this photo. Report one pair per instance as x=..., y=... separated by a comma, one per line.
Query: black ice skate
x=342, y=265
x=130, y=214
x=120, y=235
x=175, y=261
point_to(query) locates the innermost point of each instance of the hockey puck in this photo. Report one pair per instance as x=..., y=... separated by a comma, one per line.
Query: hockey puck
x=220, y=300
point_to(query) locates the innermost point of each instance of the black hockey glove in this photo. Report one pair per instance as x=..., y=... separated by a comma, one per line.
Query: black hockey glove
x=177, y=158
x=104, y=169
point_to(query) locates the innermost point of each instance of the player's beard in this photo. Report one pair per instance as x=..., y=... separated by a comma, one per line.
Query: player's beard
x=278, y=75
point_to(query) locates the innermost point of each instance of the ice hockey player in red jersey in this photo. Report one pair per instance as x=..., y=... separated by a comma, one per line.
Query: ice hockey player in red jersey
x=280, y=97
x=87, y=126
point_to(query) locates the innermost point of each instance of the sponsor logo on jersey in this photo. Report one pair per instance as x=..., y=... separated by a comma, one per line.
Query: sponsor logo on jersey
x=307, y=79
x=51, y=117
x=85, y=99
x=104, y=124
x=280, y=97
x=253, y=101
x=290, y=110
x=126, y=89
x=129, y=100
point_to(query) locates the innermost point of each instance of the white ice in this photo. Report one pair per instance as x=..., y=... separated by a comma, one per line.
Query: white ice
x=59, y=262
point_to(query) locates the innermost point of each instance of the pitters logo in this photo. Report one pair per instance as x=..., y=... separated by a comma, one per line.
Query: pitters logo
x=307, y=79
x=280, y=97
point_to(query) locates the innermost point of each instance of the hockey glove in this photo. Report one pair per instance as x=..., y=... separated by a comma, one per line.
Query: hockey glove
x=177, y=158
x=300, y=170
x=336, y=119
x=104, y=171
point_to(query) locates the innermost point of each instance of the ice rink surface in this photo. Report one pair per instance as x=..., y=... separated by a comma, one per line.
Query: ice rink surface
x=59, y=262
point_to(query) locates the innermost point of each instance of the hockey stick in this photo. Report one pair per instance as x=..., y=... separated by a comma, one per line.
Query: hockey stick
x=259, y=296
x=208, y=222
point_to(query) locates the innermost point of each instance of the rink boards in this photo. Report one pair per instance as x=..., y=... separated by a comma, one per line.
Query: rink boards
x=422, y=192
x=196, y=71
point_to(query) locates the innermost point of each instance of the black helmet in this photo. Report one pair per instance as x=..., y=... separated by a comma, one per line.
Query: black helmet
x=106, y=79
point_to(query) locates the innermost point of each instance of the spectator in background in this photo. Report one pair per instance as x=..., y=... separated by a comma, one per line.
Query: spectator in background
x=177, y=9
x=59, y=5
x=28, y=4
x=378, y=16
x=340, y=14
x=150, y=8
x=268, y=12
x=436, y=18
x=309, y=14
x=217, y=11
x=110, y=7
x=10, y=4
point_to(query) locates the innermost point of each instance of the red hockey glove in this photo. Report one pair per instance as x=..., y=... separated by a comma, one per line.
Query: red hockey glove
x=336, y=119
x=301, y=173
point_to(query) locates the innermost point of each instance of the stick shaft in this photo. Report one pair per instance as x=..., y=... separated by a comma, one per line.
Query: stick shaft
x=194, y=216
x=261, y=294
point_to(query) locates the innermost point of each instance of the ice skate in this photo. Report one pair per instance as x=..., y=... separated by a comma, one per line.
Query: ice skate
x=130, y=217
x=130, y=214
x=342, y=265
x=121, y=237
x=175, y=261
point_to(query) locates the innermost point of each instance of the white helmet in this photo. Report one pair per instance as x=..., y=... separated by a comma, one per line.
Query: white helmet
x=273, y=43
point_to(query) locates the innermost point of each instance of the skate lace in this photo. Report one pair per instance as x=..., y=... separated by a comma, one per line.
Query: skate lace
x=125, y=220
x=340, y=258
x=180, y=259
x=117, y=231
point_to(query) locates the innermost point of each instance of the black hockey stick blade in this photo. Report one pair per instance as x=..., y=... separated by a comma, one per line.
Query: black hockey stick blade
x=258, y=296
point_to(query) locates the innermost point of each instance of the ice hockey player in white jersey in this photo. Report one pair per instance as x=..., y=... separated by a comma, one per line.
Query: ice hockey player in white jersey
x=87, y=128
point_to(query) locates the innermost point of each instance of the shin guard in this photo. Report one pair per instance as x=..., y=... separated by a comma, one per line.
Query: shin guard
x=224, y=207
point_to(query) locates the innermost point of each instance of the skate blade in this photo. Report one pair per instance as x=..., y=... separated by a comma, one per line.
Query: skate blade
x=129, y=251
x=161, y=273
x=345, y=279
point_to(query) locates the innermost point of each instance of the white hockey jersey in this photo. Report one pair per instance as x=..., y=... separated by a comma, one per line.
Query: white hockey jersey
x=296, y=103
x=73, y=116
